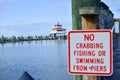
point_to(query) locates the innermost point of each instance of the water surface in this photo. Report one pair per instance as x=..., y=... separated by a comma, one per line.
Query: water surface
x=43, y=60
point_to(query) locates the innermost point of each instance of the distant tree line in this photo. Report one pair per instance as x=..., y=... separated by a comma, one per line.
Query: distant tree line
x=14, y=39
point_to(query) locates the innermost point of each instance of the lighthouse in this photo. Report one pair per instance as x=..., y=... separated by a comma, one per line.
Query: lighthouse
x=57, y=31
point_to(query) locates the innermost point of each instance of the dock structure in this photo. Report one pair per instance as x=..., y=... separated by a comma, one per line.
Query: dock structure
x=116, y=52
x=92, y=14
x=117, y=19
x=117, y=26
x=91, y=7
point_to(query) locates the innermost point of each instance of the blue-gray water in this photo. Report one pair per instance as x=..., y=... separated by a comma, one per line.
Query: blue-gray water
x=43, y=60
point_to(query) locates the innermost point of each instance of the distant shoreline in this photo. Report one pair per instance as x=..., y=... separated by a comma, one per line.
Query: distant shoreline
x=15, y=39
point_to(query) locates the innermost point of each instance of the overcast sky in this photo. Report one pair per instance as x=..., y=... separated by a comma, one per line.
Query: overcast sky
x=36, y=17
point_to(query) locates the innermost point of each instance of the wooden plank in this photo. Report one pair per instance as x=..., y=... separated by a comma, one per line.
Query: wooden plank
x=90, y=22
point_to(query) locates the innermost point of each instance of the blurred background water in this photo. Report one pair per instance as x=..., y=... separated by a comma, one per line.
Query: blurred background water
x=43, y=60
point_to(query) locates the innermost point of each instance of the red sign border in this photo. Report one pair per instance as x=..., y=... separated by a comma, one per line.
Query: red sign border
x=111, y=55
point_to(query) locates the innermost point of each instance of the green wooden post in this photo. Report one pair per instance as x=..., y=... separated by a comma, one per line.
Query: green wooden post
x=77, y=77
x=76, y=24
x=76, y=18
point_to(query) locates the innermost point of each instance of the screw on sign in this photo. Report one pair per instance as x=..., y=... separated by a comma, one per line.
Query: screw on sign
x=90, y=52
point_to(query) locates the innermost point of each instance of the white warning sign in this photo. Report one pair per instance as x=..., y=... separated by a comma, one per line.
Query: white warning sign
x=90, y=52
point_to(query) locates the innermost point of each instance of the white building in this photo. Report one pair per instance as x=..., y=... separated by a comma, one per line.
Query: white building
x=57, y=30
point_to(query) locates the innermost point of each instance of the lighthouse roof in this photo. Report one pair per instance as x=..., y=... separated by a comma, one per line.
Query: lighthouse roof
x=58, y=27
